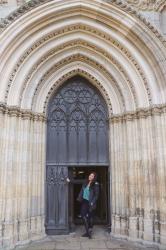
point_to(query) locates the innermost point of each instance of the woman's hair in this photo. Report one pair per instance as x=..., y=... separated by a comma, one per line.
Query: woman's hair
x=94, y=180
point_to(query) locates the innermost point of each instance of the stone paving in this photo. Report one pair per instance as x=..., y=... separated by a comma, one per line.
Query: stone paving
x=101, y=240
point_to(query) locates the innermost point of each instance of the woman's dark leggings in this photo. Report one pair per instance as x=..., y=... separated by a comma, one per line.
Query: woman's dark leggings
x=86, y=215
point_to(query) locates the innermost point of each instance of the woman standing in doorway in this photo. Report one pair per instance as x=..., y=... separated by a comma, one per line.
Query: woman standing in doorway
x=88, y=197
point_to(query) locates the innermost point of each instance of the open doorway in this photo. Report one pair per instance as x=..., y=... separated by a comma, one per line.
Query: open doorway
x=77, y=143
x=78, y=176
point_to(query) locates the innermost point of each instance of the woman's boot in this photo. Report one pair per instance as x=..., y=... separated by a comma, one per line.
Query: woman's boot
x=90, y=227
x=86, y=227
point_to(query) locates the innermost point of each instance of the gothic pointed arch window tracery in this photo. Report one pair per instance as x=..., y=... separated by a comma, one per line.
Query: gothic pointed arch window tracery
x=77, y=125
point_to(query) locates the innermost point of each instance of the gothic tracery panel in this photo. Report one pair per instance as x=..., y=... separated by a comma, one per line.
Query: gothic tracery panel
x=76, y=135
x=77, y=125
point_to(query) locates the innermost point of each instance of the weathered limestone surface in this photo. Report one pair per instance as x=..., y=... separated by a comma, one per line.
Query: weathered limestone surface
x=7, y=6
x=153, y=10
x=43, y=44
x=22, y=178
x=138, y=176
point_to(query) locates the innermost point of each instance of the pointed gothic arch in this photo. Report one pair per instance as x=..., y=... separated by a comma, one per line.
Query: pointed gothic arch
x=77, y=136
x=43, y=44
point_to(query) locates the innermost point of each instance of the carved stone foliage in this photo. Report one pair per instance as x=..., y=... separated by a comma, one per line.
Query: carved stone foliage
x=139, y=113
x=23, y=114
x=155, y=110
x=146, y=4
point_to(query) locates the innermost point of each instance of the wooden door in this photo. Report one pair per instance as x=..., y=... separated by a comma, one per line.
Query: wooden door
x=77, y=135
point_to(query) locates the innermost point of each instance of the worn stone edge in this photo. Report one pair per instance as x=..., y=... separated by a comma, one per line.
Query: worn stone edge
x=22, y=113
x=36, y=3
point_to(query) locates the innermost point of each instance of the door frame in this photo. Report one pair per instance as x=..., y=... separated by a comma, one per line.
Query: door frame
x=90, y=165
x=70, y=194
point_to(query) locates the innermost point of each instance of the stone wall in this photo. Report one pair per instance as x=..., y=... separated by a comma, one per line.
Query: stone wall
x=138, y=174
x=124, y=57
x=137, y=159
x=22, y=146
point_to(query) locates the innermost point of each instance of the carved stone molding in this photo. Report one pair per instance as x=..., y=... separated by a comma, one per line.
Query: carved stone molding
x=146, y=5
x=50, y=36
x=14, y=111
x=156, y=110
x=125, y=6
x=94, y=64
x=81, y=44
x=83, y=73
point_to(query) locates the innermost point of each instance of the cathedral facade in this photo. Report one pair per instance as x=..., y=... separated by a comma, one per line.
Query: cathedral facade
x=82, y=86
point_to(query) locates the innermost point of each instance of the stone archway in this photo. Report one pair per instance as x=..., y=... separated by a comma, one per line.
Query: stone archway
x=96, y=40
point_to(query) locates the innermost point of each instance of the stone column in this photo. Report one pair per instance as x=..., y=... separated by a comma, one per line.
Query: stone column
x=22, y=176
x=138, y=175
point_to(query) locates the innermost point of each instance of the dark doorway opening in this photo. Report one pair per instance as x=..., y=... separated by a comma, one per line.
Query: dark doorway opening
x=78, y=176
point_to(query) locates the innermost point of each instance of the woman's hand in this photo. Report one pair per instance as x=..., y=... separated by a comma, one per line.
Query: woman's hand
x=67, y=179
